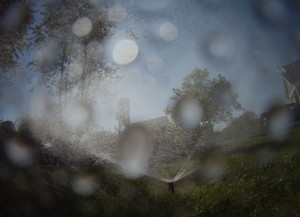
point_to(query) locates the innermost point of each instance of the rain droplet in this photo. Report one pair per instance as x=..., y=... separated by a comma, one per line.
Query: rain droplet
x=168, y=31
x=19, y=154
x=189, y=112
x=77, y=115
x=85, y=186
x=75, y=70
x=125, y=51
x=271, y=12
x=82, y=26
x=117, y=14
x=135, y=150
x=155, y=64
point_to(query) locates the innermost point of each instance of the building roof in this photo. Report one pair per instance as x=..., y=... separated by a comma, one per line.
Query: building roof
x=155, y=123
x=291, y=72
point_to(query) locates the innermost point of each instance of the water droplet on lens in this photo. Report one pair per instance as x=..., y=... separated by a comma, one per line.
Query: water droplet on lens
x=82, y=26
x=189, y=112
x=117, y=14
x=168, y=31
x=272, y=12
x=155, y=64
x=125, y=51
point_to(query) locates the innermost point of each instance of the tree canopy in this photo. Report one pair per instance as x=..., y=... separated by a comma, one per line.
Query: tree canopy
x=68, y=41
x=216, y=97
x=16, y=16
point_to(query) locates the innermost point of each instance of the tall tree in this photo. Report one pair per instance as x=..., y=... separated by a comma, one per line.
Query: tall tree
x=16, y=16
x=68, y=39
x=215, y=98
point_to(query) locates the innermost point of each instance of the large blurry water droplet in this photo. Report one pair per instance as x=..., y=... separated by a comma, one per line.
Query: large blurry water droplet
x=213, y=167
x=75, y=70
x=189, y=112
x=125, y=51
x=279, y=124
x=40, y=104
x=117, y=14
x=82, y=26
x=77, y=115
x=85, y=186
x=19, y=154
x=272, y=12
x=135, y=150
x=168, y=31
x=155, y=64
x=15, y=17
x=218, y=47
x=46, y=57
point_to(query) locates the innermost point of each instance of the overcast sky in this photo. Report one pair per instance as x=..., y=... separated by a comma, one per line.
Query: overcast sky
x=246, y=42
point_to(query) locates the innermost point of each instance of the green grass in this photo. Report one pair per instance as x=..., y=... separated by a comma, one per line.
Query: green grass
x=260, y=183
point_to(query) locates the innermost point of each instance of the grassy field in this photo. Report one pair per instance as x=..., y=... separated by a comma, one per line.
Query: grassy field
x=260, y=182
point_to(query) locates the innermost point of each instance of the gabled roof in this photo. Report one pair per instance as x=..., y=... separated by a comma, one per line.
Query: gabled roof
x=155, y=123
x=291, y=72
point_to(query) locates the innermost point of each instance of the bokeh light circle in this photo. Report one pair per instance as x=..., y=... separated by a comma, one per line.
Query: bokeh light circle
x=155, y=64
x=82, y=26
x=168, y=31
x=117, y=14
x=125, y=51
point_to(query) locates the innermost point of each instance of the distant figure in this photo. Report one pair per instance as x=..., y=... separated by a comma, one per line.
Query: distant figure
x=171, y=186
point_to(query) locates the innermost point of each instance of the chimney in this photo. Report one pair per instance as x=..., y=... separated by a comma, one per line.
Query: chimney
x=123, y=115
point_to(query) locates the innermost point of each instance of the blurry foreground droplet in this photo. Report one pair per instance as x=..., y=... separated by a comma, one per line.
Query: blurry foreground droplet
x=189, y=112
x=84, y=186
x=19, y=154
x=75, y=70
x=125, y=51
x=168, y=31
x=82, y=26
x=271, y=12
x=217, y=47
x=41, y=103
x=213, y=167
x=117, y=13
x=135, y=150
x=155, y=64
x=77, y=115
x=15, y=16
x=279, y=124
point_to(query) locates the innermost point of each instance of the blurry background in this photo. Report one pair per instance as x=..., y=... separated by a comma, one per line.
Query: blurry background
x=149, y=108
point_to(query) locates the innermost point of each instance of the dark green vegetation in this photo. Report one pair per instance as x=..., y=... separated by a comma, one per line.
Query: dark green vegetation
x=264, y=182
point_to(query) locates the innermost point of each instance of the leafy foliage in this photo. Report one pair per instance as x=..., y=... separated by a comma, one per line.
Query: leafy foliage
x=254, y=184
x=16, y=18
x=216, y=96
x=58, y=47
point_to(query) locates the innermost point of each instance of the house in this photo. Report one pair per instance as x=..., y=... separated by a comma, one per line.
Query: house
x=123, y=116
x=155, y=124
x=291, y=80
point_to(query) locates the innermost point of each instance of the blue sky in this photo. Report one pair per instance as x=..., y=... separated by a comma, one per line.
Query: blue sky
x=244, y=42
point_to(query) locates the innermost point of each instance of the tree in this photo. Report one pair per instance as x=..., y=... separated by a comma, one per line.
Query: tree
x=68, y=55
x=215, y=97
x=16, y=16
